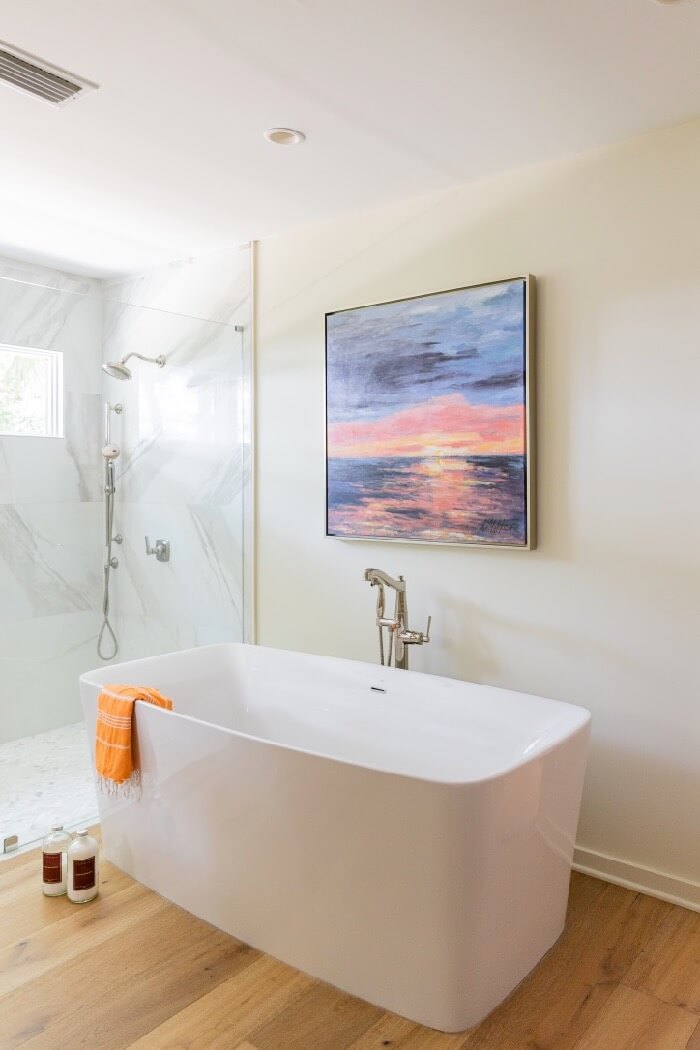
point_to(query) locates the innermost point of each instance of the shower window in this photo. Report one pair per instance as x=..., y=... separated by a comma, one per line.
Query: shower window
x=31, y=392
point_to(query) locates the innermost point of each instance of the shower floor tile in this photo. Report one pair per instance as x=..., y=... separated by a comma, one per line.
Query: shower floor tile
x=45, y=779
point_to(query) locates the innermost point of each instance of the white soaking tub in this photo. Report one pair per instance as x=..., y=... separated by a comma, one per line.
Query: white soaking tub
x=406, y=837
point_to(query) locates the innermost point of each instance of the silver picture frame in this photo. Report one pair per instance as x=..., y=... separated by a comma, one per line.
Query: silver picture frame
x=529, y=406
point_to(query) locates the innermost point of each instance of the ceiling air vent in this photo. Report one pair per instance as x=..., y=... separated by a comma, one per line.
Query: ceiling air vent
x=32, y=75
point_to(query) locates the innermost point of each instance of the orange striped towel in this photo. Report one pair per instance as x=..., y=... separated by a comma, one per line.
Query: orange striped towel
x=113, y=736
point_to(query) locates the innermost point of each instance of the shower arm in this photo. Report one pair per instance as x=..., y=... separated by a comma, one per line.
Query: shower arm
x=160, y=360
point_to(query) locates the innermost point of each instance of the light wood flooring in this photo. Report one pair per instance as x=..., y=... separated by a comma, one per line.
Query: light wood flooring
x=130, y=970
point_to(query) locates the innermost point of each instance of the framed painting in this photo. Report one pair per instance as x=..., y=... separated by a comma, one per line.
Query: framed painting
x=430, y=416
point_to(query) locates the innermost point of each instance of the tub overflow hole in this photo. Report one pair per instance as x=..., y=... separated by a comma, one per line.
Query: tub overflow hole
x=379, y=689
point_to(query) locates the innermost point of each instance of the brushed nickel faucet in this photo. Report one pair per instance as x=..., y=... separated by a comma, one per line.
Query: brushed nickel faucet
x=400, y=635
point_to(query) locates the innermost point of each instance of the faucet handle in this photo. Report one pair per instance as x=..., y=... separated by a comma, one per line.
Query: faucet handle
x=409, y=637
x=161, y=549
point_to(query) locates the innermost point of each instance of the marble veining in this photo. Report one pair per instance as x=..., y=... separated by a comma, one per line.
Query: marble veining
x=46, y=276
x=83, y=441
x=50, y=510
x=31, y=567
x=51, y=319
x=184, y=469
x=220, y=544
x=213, y=287
x=41, y=659
x=184, y=474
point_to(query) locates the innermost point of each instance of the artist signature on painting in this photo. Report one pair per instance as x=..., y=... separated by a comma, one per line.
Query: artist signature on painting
x=497, y=525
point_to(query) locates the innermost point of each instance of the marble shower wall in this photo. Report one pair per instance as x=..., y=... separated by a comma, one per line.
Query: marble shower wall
x=50, y=508
x=184, y=473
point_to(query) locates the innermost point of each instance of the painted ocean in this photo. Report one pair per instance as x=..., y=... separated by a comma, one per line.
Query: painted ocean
x=447, y=499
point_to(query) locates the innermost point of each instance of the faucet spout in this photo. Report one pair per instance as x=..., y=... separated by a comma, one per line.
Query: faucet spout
x=376, y=576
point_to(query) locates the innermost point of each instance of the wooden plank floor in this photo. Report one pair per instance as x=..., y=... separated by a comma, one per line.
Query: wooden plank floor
x=130, y=970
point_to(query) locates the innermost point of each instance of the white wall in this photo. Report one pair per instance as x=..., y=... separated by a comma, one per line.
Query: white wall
x=50, y=508
x=606, y=612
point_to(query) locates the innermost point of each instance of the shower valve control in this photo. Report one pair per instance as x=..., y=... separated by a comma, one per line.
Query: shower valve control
x=161, y=549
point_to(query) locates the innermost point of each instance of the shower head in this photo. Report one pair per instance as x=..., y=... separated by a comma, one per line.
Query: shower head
x=118, y=369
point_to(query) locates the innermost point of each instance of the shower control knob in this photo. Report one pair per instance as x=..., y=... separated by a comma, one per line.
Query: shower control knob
x=113, y=563
x=161, y=549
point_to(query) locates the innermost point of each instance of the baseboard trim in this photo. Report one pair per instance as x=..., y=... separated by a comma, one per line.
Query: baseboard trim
x=635, y=877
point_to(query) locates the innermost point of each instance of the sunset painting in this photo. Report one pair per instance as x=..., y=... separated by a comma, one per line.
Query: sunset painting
x=427, y=418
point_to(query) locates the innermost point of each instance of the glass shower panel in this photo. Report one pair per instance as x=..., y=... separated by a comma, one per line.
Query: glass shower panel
x=179, y=479
x=181, y=475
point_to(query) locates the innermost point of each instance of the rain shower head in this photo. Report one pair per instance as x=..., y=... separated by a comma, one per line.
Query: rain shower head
x=118, y=369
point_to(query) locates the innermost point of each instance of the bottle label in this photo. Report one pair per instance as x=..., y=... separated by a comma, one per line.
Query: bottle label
x=84, y=874
x=52, y=867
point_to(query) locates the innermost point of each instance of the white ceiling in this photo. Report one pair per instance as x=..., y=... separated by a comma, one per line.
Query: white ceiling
x=397, y=97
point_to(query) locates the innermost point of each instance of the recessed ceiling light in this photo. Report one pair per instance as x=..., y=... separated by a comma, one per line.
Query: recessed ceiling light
x=284, y=136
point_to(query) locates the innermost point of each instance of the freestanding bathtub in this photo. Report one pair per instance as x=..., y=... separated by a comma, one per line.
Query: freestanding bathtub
x=406, y=837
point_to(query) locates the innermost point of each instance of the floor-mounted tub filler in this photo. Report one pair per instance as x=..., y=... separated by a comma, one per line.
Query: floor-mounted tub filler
x=405, y=837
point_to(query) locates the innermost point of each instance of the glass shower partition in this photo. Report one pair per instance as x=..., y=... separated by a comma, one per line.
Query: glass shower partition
x=181, y=479
x=181, y=475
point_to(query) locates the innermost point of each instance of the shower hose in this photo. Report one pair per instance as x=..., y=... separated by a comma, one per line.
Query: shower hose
x=106, y=633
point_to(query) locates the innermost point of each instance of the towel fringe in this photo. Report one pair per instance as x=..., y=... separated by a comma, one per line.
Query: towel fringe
x=129, y=790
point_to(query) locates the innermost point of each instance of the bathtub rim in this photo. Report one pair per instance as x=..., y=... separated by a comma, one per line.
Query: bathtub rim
x=582, y=725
